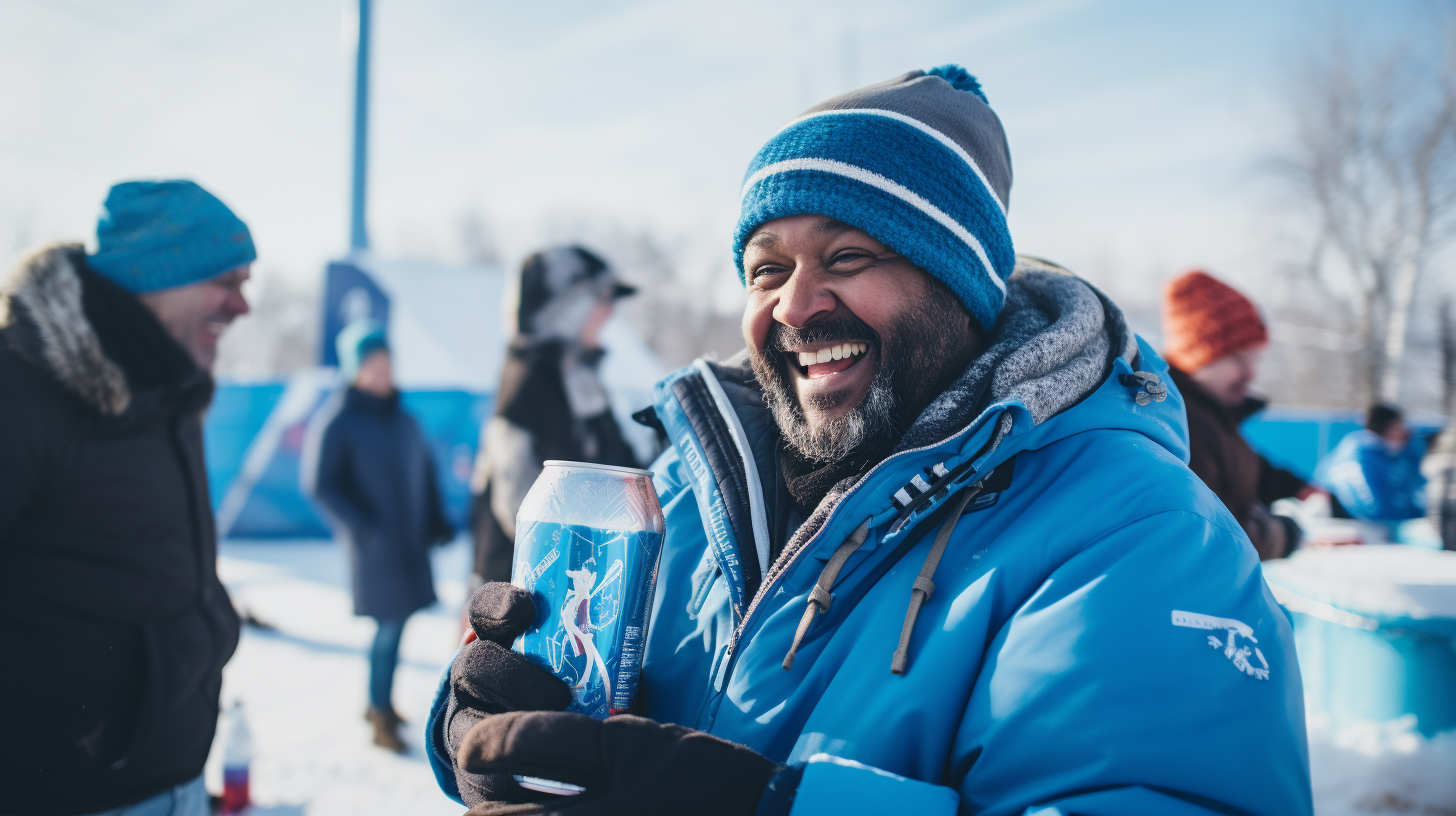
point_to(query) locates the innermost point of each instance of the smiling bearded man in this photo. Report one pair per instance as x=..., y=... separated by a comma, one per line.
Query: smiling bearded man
x=840, y=391
x=932, y=543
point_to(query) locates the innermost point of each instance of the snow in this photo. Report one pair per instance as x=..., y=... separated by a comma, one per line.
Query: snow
x=304, y=684
x=304, y=688
x=1379, y=768
x=1386, y=580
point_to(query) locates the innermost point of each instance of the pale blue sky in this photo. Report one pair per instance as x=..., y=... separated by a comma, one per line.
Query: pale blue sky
x=1137, y=127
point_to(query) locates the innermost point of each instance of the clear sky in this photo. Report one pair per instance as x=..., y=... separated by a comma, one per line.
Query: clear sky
x=1137, y=127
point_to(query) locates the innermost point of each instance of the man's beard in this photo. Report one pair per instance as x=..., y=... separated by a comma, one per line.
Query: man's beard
x=917, y=360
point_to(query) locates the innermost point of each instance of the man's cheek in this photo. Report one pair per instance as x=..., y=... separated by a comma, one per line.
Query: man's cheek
x=757, y=324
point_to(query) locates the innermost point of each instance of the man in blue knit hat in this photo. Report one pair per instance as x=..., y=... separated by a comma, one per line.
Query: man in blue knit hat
x=932, y=543
x=114, y=627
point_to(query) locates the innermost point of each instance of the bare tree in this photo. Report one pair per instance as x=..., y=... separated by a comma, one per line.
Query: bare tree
x=1375, y=158
x=1446, y=319
x=477, y=241
x=279, y=335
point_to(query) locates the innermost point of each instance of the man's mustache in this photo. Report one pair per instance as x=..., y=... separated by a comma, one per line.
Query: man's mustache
x=838, y=328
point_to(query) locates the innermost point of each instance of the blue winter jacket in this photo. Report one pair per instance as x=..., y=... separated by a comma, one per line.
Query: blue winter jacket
x=1373, y=483
x=1099, y=638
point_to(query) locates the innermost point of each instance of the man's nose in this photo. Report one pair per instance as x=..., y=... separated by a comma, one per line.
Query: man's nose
x=237, y=303
x=803, y=297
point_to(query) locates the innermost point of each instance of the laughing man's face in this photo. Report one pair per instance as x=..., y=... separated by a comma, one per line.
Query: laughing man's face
x=857, y=336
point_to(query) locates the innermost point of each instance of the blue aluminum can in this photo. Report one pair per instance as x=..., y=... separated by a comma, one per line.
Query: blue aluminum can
x=587, y=542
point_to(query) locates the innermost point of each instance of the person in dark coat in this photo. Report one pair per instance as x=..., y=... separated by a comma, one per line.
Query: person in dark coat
x=371, y=469
x=114, y=627
x=1214, y=339
x=551, y=403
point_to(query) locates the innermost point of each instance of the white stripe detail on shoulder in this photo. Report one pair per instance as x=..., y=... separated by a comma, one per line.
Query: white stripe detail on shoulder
x=922, y=127
x=879, y=182
x=757, y=515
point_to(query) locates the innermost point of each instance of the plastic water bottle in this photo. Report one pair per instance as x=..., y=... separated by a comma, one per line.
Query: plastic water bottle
x=237, y=750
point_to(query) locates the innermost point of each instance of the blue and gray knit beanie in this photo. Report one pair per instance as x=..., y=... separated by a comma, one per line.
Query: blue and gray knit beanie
x=159, y=234
x=355, y=342
x=919, y=162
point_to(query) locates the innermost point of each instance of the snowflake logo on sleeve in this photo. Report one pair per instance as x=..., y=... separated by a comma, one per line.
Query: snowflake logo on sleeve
x=1237, y=652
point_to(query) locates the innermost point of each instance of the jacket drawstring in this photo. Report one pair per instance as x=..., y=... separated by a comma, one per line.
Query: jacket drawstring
x=819, y=597
x=924, y=587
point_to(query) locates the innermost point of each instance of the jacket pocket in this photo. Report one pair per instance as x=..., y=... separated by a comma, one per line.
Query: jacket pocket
x=706, y=574
x=181, y=666
x=151, y=701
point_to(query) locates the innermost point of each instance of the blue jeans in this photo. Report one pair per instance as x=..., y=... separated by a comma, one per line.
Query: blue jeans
x=383, y=657
x=187, y=799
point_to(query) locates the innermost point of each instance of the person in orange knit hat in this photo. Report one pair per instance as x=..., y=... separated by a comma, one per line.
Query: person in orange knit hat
x=1213, y=339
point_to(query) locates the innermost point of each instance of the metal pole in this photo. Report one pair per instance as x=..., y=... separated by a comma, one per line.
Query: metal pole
x=358, y=232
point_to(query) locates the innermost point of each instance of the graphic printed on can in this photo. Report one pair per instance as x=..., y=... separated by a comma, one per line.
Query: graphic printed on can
x=587, y=543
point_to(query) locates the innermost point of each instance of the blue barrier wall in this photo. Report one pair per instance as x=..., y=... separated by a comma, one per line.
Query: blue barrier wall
x=274, y=506
x=237, y=414
x=1297, y=440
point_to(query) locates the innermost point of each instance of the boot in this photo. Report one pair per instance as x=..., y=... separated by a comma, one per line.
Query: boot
x=386, y=729
x=369, y=715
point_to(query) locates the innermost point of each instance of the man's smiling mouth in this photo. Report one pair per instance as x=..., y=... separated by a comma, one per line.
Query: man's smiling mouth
x=823, y=360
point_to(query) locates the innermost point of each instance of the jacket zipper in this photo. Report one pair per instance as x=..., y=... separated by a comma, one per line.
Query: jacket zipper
x=726, y=667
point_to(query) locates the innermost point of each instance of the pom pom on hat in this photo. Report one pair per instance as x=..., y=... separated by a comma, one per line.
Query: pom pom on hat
x=356, y=342
x=959, y=78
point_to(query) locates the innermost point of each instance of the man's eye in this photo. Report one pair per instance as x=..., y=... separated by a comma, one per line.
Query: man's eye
x=762, y=271
x=849, y=258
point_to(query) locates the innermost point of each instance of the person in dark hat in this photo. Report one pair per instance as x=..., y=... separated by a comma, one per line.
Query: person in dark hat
x=551, y=403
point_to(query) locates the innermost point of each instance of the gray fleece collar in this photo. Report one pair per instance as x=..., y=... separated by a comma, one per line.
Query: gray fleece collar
x=1054, y=344
x=45, y=324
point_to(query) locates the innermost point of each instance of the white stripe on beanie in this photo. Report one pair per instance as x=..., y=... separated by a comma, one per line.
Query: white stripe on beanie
x=918, y=125
x=879, y=182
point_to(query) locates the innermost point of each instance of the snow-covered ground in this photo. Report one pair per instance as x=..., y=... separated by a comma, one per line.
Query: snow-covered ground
x=1381, y=768
x=303, y=684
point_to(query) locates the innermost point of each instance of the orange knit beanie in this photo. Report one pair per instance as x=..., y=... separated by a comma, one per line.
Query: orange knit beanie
x=1205, y=319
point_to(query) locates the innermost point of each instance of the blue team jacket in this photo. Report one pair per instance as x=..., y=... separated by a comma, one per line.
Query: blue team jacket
x=1100, y=639
x=1372, y=482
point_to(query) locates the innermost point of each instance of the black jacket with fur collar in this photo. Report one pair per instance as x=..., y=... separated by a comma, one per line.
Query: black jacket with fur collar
x=114, y=627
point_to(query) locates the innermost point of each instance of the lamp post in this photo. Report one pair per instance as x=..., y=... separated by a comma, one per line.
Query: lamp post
x=358, y=230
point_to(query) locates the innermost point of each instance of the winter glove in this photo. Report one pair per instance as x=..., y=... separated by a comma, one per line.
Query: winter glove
x=627, y=764
x=488, y=678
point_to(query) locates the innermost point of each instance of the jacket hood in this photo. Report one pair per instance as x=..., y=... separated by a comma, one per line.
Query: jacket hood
x=46, y=325
x=96, y=340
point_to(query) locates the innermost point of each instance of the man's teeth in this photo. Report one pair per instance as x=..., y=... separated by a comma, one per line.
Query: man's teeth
x=839, y=352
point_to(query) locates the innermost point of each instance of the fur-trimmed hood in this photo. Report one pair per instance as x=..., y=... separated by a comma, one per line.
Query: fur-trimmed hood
x=42, y=321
